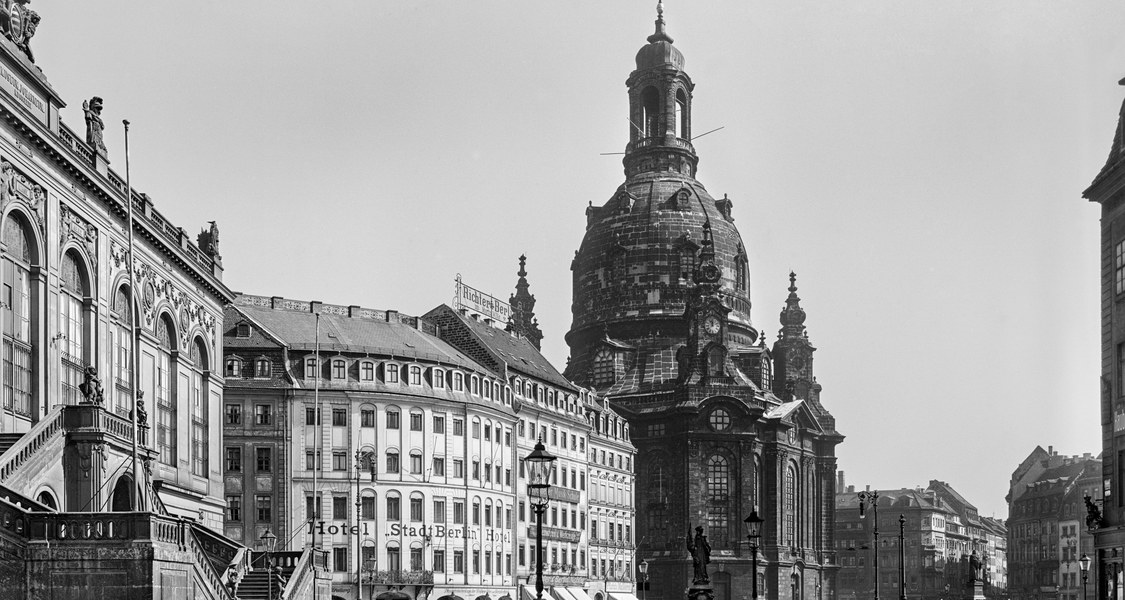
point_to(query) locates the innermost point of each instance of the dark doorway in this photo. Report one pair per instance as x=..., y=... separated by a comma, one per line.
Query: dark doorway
x=122, y=495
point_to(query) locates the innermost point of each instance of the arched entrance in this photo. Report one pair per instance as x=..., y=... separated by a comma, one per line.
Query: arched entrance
x=122, y=499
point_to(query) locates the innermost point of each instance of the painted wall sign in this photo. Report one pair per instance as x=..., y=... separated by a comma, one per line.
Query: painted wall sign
x=323, y=528
x=441, y=531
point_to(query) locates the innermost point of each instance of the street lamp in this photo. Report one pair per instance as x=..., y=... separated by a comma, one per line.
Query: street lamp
x=754, y=533
x=1084, y=565
x=269, y=539
x=872, y=498
x=902, y=556
x=644, y=578
x=538, y=488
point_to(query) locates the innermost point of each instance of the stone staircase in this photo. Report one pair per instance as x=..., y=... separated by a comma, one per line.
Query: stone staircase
x=7, y=440
x=256, y=585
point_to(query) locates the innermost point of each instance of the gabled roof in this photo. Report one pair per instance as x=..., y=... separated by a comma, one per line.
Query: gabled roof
x=338, y=333
x=515, y=352
x=797, y=411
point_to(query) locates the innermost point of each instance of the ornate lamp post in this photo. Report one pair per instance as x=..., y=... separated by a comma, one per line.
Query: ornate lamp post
x=1084, y=566
x=644, y=578
x=754, y=533
x=902, y=557
x=872, y=498
x=269, y=539
x=538, y=488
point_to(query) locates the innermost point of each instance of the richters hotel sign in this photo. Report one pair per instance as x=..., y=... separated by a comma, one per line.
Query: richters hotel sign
x=422, y=531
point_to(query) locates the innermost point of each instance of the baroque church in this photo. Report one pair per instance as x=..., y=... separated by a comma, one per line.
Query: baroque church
x=724, y=423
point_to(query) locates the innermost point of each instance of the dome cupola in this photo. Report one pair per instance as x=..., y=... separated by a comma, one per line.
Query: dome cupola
x=659, y=51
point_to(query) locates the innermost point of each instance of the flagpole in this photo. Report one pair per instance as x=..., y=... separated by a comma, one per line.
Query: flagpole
x=133, y=316
x=316, y=454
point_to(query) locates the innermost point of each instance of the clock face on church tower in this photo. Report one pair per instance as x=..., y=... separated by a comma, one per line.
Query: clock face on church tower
x=711, y=325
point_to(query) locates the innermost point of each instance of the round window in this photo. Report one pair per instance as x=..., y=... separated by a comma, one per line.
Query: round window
x=720, y=420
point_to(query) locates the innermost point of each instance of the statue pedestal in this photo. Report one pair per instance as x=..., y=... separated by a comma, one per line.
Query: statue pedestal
x=976, y=590
x=700, y=592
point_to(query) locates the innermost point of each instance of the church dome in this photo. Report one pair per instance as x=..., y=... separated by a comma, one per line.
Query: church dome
x=634, y=273
x=637, y=257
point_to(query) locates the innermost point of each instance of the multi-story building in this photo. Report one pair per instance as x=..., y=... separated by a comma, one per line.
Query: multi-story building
x=110, y=418
x=723, y=424
x=395, y=446
x=612, y=511
x=940, y=531
x=1047, y=532
x=571, y=422
x=382, y=444
x=996, y=540
x=1107, y=517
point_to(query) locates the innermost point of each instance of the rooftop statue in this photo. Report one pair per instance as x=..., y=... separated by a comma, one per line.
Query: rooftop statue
x=94, y=125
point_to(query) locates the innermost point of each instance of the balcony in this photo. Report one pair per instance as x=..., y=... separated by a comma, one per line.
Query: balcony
x=399, y=577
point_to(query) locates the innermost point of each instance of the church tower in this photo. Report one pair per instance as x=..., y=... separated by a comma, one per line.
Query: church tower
x=661, y=327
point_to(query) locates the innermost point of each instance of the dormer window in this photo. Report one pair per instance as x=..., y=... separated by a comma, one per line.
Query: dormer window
x=390, y=373
x=234, y=367
x=367, y=371
x=438, y=375
x=310, y=368
x=262, y=367
x=242, y=330
x=415, y=375
x=339, y=368
x=719, y=419
x=604, y=368
x=458, y=382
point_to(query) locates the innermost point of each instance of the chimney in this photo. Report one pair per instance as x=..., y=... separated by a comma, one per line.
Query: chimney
x=1050, y=450
x=867, y=487
x=851, y=489
x=840, y=480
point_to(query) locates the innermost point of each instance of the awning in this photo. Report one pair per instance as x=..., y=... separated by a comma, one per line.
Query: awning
x=578, y=593
x=621, y=596
x=561, y=594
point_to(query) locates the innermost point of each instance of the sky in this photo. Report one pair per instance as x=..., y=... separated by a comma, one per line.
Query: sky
x=919, y=165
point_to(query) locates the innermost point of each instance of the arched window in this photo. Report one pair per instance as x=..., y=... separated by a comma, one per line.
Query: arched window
x=715, y=358
x=164, y=392
x=121, y=340
x=47, y=499
x=650, y=104
x=18, y=292
x=740, y=272
x=197, y=396
x=681, y=116
x=718, y=495
x=604, y=368
x=72, y=326
x=262, y=367
x=790, y=506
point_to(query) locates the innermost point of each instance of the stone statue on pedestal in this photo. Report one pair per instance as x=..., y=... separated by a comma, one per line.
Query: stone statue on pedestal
x=91, y=387
x=95, y=126
x=700, y=555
